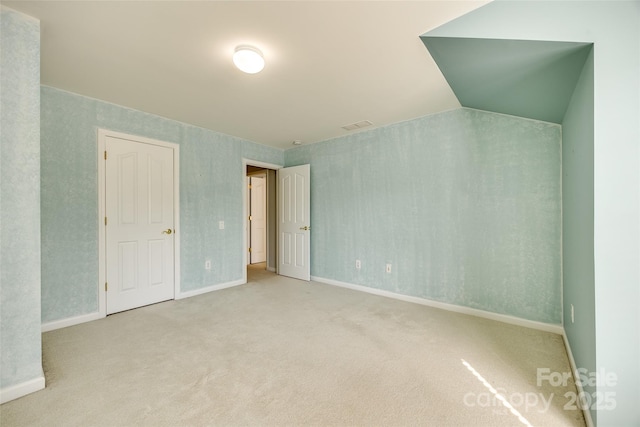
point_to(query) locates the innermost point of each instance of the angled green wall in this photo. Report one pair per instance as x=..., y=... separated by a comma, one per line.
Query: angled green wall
x=465, y=205
x=525, y=78
x=20, y=339
x=577, y=224
x=614, y=29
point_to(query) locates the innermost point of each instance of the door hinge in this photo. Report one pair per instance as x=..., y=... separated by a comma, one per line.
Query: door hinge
x=105, y=220
x=105, y=154
x=106, y=286
x=250, y=218
x=250, y=186
x=249, y=249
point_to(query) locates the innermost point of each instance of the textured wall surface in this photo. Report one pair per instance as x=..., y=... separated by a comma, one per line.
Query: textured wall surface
x=465, y=205
x=20, y=338
x=211, y=178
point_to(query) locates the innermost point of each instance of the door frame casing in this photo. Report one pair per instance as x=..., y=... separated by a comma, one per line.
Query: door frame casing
x=102, y=264
x=245, y=213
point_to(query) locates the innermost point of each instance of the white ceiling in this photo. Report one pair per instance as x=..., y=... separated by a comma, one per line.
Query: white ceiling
x=329, y=63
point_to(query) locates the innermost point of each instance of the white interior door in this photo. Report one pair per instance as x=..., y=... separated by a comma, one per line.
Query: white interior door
x=139, y=220
x=258, y=219
x=294, y=222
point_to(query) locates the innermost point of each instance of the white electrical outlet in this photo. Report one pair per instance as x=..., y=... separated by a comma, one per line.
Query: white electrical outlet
x=358, y=265
x=573, y=319
x=221, y=225
x=388, y=269
x=207, y=264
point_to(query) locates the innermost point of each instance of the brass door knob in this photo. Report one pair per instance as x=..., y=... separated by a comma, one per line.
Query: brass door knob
x=167, y=231
x=305, y=228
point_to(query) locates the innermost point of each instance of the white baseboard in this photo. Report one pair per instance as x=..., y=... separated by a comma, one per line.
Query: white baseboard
x=70, y=321
x=272, y=269
x=18, y=390
x=76, y=320
x=547, y=327
x=208, y=289
x=574, y=369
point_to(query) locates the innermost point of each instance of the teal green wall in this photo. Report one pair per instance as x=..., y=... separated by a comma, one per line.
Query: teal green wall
x=464, y=204
x=524, y=78
x=211, y=178
x=20, y=339
x=577, y=225
x=614, y=29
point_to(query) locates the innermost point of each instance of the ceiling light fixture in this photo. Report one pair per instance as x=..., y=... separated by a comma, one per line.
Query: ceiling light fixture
x=248, y=59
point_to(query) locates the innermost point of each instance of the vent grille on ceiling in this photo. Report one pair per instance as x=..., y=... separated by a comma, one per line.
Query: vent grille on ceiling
x=359, y=125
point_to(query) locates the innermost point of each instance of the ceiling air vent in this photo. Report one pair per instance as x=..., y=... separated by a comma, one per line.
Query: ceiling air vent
x=359, y=125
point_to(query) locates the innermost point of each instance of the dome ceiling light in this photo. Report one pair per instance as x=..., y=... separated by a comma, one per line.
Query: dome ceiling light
x=248, y=59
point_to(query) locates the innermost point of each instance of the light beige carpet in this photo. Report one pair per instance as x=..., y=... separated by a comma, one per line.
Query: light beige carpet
x=279, y=351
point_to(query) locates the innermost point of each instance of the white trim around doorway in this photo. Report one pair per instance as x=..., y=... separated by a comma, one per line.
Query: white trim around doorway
x=248, y=162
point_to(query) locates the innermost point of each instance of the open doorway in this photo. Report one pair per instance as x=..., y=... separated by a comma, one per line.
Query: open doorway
x=260, y=216
x=288, y=226
x=257, y=207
